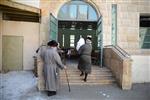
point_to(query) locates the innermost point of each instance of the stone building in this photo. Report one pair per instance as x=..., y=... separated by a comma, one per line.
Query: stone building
x=123, y=23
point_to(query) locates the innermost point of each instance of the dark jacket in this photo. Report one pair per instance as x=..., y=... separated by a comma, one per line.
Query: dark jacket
x=85, y=58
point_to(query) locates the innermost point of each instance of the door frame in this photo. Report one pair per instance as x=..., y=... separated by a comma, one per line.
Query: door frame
x=53, y=21
x=100, y=34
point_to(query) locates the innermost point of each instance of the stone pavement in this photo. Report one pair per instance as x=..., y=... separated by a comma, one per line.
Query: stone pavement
x=22, y=85
x=97, y=92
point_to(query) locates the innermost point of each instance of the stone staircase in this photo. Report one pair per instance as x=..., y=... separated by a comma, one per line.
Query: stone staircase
x=98, y=76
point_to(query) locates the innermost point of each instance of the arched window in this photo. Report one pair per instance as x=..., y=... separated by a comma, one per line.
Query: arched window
x=77, y=11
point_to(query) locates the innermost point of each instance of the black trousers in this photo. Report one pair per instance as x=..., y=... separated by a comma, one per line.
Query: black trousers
x=86, y=74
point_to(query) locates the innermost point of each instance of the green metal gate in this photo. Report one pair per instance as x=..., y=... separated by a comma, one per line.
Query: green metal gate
x=100, y=39
x=53, y=27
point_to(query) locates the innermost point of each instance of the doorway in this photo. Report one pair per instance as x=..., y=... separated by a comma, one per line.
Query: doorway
x=75, y=19
x=69, y=33
x=12, y=53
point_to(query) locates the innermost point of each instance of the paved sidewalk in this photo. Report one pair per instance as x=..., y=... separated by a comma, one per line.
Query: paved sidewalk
x=22, y=86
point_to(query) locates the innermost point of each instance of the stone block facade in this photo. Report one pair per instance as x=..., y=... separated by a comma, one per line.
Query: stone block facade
x=128, y=14
x=120, y=66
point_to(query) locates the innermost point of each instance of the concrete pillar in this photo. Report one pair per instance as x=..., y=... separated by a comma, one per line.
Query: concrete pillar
x=0, y=41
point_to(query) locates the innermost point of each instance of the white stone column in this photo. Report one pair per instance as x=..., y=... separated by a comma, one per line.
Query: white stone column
x=0, y=41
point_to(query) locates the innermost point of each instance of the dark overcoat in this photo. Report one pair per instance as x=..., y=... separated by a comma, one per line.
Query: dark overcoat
x=84, y=64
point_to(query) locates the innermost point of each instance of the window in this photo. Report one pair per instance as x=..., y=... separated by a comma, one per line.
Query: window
x=77, y=10
x=114, y=24
x=82, y=12
x=72, y=38
x=63, y=13
x=73, y=11
x=144, y=32
x=92, y=14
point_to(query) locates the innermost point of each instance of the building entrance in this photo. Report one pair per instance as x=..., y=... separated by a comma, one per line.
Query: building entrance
x=69, y=32
x=75, y=19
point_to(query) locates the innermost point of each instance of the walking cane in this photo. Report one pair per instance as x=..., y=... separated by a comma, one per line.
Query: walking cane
x=67, y=80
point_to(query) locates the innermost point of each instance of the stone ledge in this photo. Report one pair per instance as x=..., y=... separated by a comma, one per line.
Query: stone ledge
x=120, y=66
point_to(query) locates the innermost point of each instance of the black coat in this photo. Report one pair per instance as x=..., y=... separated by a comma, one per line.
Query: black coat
x=85, y=58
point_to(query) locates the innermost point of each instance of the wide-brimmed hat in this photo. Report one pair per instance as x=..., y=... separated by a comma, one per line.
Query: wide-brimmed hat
x=52, y=43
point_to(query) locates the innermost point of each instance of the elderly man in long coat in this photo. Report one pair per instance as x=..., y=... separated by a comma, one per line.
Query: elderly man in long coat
x=84, y=64
x=52, y=63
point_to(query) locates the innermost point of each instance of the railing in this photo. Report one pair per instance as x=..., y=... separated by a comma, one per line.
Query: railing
x=123, y=52
x=119, y=61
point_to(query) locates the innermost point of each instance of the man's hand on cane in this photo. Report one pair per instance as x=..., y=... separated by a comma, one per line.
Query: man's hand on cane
x=65, y=67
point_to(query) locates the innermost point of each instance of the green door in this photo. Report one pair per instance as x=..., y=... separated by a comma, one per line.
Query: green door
x=69, y=38
x=100, y=39
x=12, y=53
x=53, y=28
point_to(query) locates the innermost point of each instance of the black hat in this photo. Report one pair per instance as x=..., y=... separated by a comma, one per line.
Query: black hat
x=89, y=38
x=52, y=43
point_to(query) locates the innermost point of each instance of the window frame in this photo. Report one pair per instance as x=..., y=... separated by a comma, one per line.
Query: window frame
x=78, y=3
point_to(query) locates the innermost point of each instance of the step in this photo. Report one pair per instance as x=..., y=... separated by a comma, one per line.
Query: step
x=97, y=76
x=89, y=78
x=92, y=74
x=81, y=82
x=77, y=71
x=93, y=69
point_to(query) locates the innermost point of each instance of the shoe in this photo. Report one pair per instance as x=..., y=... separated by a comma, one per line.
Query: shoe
x=54, y=92
x=82, y=74
x=84, y=80
x=51, y=93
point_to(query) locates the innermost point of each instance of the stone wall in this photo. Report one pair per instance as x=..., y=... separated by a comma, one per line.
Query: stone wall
x=53, y=6
x=128, y=23
x=30, y=33
x=47, y=7
x=128, y=13
x=34, y=3
x=120, y=67
x=141, y=68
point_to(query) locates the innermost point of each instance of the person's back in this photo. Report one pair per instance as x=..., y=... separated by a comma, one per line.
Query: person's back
x=52, y=62
x=49, y=55
x=85, y=49
x=85, y=59
x=41, y=51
